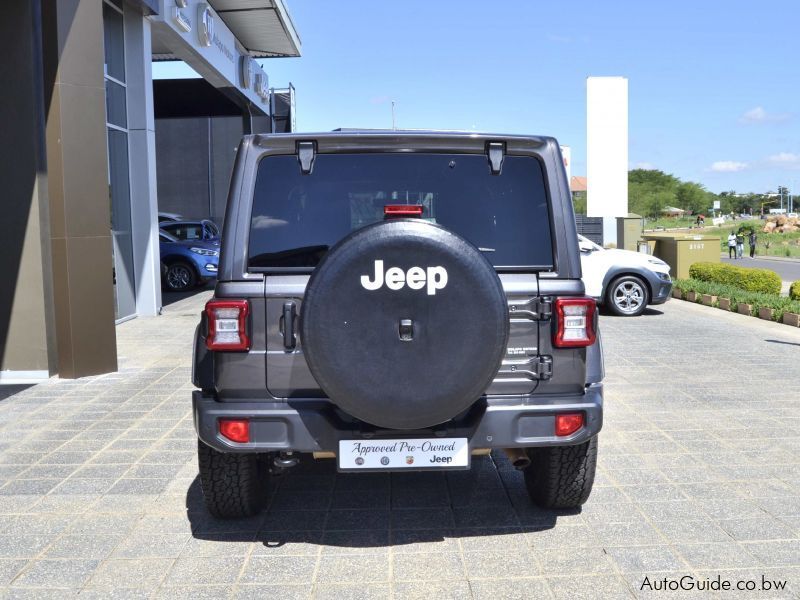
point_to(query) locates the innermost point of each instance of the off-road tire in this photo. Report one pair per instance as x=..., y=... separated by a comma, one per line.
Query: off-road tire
x=561, y=476
x=234, y=485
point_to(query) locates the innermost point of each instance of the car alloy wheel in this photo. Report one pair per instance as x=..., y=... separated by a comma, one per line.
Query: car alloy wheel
x=179, y=277
x=629, y=297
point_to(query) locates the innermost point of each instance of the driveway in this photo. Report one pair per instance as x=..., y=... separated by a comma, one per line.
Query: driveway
x=698, y=476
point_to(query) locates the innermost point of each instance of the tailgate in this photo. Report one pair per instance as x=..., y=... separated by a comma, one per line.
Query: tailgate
x=527, y=368
x=288, y=374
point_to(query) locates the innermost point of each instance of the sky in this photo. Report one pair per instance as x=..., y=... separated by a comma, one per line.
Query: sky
x=713, y=86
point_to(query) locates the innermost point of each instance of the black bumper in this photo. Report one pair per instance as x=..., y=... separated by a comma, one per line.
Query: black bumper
x=661, y=289
x=315, y=425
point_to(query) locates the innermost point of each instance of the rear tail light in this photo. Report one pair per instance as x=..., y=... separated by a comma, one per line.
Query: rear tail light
x=575, y=322
x=402, y=210
x=227, y=325
x=236, y=430
x=568, y=423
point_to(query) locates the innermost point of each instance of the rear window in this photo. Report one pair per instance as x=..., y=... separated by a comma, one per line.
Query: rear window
x=296, y=218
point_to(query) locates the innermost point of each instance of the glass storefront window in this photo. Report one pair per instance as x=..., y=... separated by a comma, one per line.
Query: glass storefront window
x=119, y=190
x=114, y=43
x=116, y=107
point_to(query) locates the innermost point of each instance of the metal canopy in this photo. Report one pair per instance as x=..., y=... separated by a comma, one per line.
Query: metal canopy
x=263, y=27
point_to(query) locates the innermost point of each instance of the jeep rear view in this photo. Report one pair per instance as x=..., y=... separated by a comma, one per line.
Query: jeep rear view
x=397, y=301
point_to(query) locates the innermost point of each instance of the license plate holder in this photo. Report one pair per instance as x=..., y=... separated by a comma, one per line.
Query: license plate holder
x=404, y=454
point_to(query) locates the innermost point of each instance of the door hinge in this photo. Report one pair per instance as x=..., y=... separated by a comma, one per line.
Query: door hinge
x=543, y=367
x=306, y=152
x=536, y=309
x=535, y=368
x=496, y=152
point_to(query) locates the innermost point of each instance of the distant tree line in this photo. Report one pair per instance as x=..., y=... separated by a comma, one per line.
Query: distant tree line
x=651, y=191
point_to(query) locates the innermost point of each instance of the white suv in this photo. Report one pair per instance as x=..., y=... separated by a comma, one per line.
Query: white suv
x=624, y=281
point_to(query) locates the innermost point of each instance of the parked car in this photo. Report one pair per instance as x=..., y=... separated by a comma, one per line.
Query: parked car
x=187, y=263
x=191, y=230
x=397, y=301
x=625, y=282
x=167, y=216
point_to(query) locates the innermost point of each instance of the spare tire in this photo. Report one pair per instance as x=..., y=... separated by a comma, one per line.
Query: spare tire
x=404, y=324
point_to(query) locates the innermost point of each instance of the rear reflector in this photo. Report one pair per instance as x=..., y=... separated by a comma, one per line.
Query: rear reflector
x=236, y=430
x=227, y=325
x=575, y=322
x=568, y=423
x=402, y=210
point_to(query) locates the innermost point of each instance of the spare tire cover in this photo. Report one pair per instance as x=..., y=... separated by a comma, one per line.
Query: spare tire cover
x=356, y=335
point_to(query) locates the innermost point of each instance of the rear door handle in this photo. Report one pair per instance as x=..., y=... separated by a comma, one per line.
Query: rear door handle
x=287, y=325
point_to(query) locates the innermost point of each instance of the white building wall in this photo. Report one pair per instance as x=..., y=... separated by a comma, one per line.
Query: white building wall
x=607, y=151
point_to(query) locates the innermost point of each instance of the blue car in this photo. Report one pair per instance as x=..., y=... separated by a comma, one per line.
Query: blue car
x=187, y=263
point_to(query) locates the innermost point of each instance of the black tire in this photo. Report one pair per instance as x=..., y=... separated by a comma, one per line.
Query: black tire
x=234, y=485
x=627, y=296
x=180, y=277
x=561, y=476
x=454, y=338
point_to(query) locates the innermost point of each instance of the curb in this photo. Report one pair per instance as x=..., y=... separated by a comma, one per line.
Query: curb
x=775, y=258
x=793, y=321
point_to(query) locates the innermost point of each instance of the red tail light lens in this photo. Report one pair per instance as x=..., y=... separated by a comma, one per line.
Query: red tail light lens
x=568, y=423
x=227, y=325
x=236, y=430
x=575, y=322
x=402, y=210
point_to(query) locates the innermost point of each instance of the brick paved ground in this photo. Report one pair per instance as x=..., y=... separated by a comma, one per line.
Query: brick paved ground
x=699, y=474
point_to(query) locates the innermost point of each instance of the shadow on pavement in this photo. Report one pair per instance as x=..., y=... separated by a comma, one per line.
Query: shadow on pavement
x=6, y=391
x=782, y=342
x=648, y=312
x=168, y=298
x=313, y=504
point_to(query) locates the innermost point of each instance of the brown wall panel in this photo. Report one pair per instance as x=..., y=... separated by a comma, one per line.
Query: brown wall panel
x=78, y=188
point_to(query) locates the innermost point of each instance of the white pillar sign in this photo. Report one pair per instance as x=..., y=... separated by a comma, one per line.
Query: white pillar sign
x=607, y=151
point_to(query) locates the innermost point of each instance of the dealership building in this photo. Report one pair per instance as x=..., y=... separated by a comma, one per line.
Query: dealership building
x=81, y=166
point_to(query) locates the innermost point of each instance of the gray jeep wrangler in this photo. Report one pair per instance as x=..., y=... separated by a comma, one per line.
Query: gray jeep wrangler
x=397, y=301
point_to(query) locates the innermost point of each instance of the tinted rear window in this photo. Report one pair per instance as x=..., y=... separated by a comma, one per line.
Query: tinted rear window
x=296, y=218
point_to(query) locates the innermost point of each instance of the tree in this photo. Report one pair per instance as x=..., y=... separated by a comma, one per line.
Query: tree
x=649, y=191
x=579, y=202
x=692, y=197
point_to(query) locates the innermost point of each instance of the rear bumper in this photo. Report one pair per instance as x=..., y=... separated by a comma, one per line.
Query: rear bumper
x=315, y=425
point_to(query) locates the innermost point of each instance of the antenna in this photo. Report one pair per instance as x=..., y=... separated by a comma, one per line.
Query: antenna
x=394, y=124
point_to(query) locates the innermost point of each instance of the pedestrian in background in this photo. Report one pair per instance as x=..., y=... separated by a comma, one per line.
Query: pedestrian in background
x=752, y=239
x=739, y=245
x=732, y=245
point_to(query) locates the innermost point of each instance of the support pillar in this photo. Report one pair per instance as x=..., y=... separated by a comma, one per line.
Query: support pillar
x=78, y=187
x=142, y=144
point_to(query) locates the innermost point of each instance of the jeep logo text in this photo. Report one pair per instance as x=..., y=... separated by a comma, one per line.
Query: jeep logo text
x=435, y=278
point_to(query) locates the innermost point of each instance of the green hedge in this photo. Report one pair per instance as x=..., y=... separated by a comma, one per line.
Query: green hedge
x=779, y=304
x=794, y=290
x=749, y=280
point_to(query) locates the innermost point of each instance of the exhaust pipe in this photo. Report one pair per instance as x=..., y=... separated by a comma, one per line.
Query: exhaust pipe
x=285, y=460
x=518, y=457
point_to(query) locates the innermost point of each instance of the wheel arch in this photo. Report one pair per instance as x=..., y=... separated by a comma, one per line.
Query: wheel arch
x=171, y=259
x=617, y=272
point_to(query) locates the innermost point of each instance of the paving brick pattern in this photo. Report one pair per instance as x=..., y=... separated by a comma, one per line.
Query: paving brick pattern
x=699, y=475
